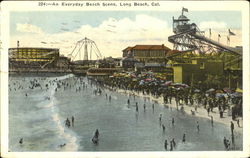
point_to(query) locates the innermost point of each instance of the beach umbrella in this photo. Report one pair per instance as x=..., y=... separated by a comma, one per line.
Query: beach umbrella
x=239, y=90
x=196, y=90
x=227, y=90
x=219, y=94
x=141, y=82
x=236, y=94
x=167, y=83
x=210, y=90
x=148, y=79
x=219, y=91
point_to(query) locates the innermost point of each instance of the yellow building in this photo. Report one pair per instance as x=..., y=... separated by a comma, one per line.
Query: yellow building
x=32, y=57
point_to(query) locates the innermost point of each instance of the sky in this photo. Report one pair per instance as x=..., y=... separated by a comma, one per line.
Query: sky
x=113, y=31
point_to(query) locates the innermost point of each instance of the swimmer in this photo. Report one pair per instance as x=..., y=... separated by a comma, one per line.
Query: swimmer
x=184, y=138
x=172, y=121
x=21, y=141
x=166, y=144
x=160, y=118
x=198, y=126
x=163, y=128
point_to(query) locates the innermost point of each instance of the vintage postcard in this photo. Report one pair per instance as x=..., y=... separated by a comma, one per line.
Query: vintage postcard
x=124, y=79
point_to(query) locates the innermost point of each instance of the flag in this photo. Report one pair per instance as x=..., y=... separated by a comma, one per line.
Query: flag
x=231, y=33
x=184, y=9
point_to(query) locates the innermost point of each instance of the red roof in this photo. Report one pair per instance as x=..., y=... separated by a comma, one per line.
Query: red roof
x=127, y=49
x=150, y=47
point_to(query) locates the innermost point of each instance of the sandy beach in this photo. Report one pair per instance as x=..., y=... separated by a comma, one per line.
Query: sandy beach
x=201, y=111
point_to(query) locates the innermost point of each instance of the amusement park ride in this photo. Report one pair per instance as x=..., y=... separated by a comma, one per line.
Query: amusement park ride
x=188, y=37
x=190, y=41
x=89, y=46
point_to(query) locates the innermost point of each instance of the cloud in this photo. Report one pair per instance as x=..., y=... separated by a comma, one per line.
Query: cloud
x=113, y=35
x=28, y=28
x=213, y=25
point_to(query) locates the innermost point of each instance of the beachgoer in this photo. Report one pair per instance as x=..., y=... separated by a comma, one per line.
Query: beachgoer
x=21, y=141
x=184, y=138
x=97, y=133
x=171, y=145
x=238, y=122
x=128, y=101
x=198, y=126
x=192, y=112
x=195, y=108
x=232, y=127
x=225, y=142
x=212, y=121
x=110, y=98
x=62, y=145
x=136, y=107
x=163, y=128
x=160, y=117
x=144, y=107
x=166, y=144
x=174, y=144
x=172, y=121
x=72, y=119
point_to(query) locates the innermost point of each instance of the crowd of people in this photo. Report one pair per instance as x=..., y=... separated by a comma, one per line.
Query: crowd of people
x=179, y=94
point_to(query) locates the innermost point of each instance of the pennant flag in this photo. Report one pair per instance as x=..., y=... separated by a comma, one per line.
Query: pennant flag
x=184, y=9
x=231, y=33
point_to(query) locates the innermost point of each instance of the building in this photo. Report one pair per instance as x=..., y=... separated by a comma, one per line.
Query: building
x=63, y=62
x=147, y=54
x=127, y=52
x=33, y=57
x=128, y=62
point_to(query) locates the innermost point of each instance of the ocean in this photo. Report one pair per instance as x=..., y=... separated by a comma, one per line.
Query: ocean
x=39, y=118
